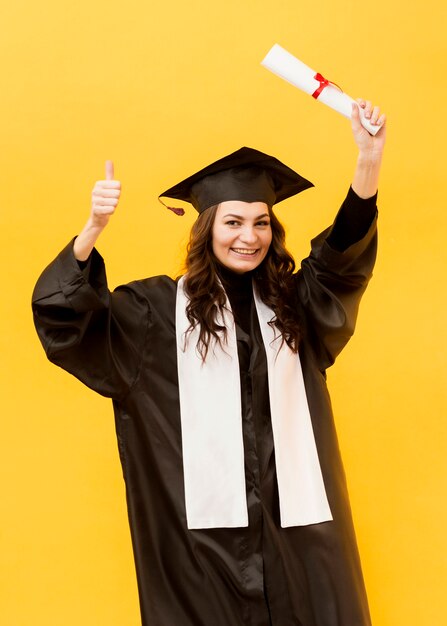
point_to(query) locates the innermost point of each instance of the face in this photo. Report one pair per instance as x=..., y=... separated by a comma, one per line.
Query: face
x=241, y=234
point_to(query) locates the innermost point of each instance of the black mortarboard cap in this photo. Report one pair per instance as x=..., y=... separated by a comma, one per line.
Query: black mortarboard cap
x=247, y=175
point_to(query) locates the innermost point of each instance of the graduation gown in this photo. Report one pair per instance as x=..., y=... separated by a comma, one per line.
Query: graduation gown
x=123, y=346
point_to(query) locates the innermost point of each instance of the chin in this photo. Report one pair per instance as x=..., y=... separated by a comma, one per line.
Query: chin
x=244, y=266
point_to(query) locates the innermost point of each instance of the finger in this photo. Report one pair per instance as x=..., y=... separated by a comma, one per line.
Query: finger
x=100, y=201
x=361, y=102
x=108, y=184
x=106, y=193
x=356, y=124
x=355, y=115
x=375, y=115
x=109, y=170
x=368, y=109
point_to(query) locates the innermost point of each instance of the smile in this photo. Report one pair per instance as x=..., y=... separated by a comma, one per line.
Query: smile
x=244, y=251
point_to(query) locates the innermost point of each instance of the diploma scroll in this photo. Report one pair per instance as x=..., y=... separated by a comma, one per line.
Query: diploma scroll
x=288, y=67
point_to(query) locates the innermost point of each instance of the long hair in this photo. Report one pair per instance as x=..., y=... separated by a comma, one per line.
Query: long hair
x=207, y=298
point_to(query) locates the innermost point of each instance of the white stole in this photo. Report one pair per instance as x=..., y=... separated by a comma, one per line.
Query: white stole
x=211, y=423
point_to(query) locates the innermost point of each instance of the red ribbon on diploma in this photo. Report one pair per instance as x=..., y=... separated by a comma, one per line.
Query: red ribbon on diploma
x=324, y=82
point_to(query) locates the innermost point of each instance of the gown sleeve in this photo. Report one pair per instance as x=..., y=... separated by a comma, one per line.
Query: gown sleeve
x=95, y=335
x=334, y=276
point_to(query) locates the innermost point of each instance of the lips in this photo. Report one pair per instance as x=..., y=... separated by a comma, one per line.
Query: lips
x=244, y=251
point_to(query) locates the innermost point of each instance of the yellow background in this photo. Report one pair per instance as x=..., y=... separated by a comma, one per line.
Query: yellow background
x=163, y=88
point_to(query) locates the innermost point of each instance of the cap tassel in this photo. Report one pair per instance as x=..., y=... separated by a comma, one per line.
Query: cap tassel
x=176, y=210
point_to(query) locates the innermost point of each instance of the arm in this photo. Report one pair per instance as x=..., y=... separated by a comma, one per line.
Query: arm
x=366, y=175
x=95, y=335
x=105, y=197
x=355, y=217
x=330, y=285
x=334, y=277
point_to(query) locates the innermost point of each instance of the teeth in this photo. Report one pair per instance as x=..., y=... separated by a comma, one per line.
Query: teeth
x=242, y=251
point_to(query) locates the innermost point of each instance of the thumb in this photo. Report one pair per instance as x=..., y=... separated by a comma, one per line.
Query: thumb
x=109, y=170
x=354, y=112
x=355, y=117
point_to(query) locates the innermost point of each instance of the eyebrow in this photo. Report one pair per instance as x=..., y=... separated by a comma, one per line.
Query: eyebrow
x=240, y=217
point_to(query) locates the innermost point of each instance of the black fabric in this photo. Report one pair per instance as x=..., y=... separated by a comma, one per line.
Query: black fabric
x=123, y=346
x=353, y=220
x=238, y=288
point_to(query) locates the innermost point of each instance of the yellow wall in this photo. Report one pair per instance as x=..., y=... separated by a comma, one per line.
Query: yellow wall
x=163, y=88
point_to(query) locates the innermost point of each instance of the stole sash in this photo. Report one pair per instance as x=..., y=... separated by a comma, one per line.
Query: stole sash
x=211, y=424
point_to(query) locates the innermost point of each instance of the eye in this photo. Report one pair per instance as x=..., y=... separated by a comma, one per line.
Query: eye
x=232, y=223
x=263, y=223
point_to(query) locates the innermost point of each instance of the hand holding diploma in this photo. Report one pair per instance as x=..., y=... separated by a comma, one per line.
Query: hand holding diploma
x=288, y=67
x=368, y=126
x=366, y=175
x=105, y=196
x=367, y=143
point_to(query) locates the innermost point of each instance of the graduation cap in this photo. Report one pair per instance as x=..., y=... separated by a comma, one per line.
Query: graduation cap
x=247, y=175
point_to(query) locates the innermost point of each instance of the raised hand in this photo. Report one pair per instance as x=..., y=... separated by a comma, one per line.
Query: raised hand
x=366, y=175
x=105, y=196
x=368, y=145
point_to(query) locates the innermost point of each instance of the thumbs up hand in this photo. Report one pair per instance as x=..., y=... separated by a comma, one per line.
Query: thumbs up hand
x=105, y=197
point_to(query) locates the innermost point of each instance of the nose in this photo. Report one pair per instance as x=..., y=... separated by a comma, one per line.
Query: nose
x=248, y=235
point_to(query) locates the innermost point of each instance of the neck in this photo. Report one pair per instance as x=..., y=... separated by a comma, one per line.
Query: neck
x=230, y=278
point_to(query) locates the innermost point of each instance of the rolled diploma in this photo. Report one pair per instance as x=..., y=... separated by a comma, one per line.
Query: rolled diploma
x=288, y=67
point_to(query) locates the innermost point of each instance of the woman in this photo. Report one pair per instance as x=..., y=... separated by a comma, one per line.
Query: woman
x=236, y=493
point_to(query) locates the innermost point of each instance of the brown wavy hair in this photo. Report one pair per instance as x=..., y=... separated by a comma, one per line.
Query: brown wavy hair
x=207, y=298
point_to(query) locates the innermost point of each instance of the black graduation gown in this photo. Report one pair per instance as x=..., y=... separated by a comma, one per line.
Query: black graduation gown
x=123, y=346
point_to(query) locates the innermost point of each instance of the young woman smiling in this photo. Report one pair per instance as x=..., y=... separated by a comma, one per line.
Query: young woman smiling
x=237, y=498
